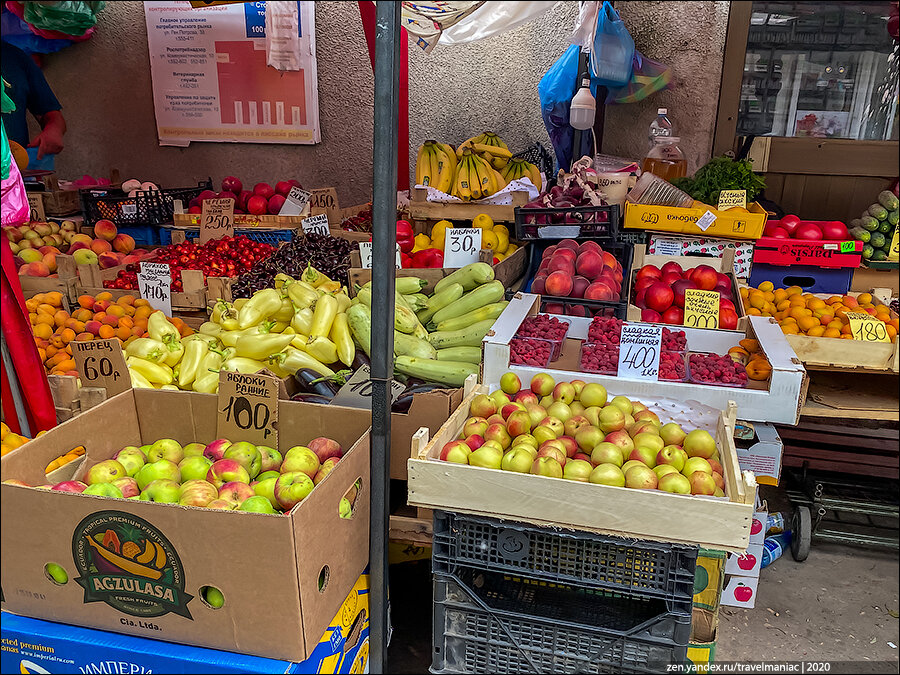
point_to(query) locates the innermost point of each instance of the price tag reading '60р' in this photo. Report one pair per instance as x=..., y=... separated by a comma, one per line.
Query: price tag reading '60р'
x=867, y=328
x=462, y=246
x=216, y=219
x=639, y=347
x=701, y=308
x=154, y=284
x=100, y=363
x=248, y=408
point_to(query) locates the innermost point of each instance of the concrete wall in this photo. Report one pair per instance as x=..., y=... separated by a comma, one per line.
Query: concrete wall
x=455, y=92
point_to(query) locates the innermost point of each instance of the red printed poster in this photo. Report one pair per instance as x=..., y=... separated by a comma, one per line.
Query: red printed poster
x=229, y=73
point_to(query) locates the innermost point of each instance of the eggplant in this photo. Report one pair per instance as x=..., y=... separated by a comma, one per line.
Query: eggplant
x=360, y=360
x=310, y=398
x=312, y=382
x=414, y=382
x=404, y=401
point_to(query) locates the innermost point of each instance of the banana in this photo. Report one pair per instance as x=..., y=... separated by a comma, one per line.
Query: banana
x=501, y=181
x=493, y=150
x=426, y=165
x=475, y=178
x=451, y=153
x=535, y=174
x=486, y=177
x=498, y=162
x=447, y=169
x=463, y=181
x=420, y=165
x=490, y=138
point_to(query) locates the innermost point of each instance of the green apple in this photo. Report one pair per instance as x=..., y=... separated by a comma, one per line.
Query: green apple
x=266, y=488
x=162, y=491
x=166, y=448
x=162, y=469
x=256, y=504
x=194, y=467
x=103, y=490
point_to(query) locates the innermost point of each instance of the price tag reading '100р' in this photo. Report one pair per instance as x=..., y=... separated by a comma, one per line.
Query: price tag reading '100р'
x=701, y=308
x=315, y=224
x=867, y=328
x=100, y=363
x=365, y=255
x=154, y=284
x=462, y=246
x=639, y=348
x=216, y=219
x=248, y=408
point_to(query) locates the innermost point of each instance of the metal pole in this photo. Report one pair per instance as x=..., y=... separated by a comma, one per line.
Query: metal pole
x=384, y=237
x=14, y=388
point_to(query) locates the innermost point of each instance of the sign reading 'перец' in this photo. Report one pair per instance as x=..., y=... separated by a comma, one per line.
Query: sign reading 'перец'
x=100, y=363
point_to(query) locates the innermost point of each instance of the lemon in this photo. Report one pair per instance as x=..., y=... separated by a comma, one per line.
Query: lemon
x=501, y=228
x=483, y=222
x=439, y=229
x=502, y=241
x=489, y=240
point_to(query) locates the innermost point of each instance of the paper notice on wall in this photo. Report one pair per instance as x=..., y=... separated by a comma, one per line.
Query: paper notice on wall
x=282, y=36
x=212, y=80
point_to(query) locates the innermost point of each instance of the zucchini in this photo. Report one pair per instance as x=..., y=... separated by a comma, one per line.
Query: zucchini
x=469, y=277
x=888, y=200
x=405, y=320
x=451, y=293
x=409, y=285
x=481, y=296
x=407, y=345
x=870, y=223
x=360, y=320
x=466, y=337
x=878, y=212
x=491, y=311
x=464, y=354
x=445, y=372
x=416, y=301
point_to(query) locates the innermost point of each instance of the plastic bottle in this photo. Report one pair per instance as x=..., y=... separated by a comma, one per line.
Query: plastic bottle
x=662, y=125
x=774, y=547
x=665, y=158
x=776, y=523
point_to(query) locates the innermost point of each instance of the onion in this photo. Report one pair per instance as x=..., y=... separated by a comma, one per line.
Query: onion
x=575, y=193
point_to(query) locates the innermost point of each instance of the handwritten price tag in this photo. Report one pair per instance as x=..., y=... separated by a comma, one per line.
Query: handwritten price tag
x=295, y=203
x=154, y=284
x=315, y=224
x=729, y=199
x=36, y=207
x=867, y=328
x=894, y=250
x=216, y=219
x=100, y=363
x=639, y=348
x=365, y=255
x=357, y=392
x=462, y=246
x=701, y=308
x=248, y=408
x=325, y=200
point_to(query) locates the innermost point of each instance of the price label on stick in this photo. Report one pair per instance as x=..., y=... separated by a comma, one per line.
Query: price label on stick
x=315, y=224
x=100, y=363
x=248, y=408
x=216, y=219
x=295, y=203
x=36, y=207
x=701, y=308
x=154, y=284
x=365, y=255
x=462, y=246
x=639, y=347
x=357, y=392
x=867, y=328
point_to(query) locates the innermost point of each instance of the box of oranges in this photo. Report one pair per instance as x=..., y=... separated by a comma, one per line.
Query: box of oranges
x=816, y=324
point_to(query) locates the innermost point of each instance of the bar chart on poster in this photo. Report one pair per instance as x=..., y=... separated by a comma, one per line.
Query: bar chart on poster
x=213, y=75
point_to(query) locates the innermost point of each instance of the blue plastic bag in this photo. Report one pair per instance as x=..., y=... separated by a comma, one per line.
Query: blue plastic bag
x=555, y=91
x=613, y=49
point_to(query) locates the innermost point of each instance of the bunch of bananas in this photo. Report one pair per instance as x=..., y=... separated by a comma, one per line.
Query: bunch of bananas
x=490, y=147
x=436, y=165
x=519, y=168
x=475, y=177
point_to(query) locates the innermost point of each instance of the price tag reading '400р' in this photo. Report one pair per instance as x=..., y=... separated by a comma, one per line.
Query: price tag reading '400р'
x=701, y=308
x=248, y=408
x=100, y=363
x=154, y=284
x=462, y=246
x=365, y=255
x=216, y=219
x=867, y=328
x=639, y=348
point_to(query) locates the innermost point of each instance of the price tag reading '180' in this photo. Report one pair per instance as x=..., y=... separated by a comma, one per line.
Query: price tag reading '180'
x=701, y=308
x=216, y=219
x=639, y=347
x=365, y=255
x=154, y=284
x=100, y=363
x=315, y=224
x=867, y=328
x=462, y=246
x=248, y=408
x=357, y=392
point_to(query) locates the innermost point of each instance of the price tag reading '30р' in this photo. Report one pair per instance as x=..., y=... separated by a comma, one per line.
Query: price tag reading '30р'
x=701, y=308
x=100, y=363
x=639, y=348
x=248, y=408
x=154, y=284
x=867, y=328
x=462, y=246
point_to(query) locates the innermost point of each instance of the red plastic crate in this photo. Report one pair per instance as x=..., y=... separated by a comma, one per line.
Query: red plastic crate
x=827, y=254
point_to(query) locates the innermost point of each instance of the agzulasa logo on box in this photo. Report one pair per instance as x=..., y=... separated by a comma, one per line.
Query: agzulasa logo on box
x=127, y=563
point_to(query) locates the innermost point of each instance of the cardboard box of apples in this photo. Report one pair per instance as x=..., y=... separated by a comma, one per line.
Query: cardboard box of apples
x=576, y=455
x=173, y=569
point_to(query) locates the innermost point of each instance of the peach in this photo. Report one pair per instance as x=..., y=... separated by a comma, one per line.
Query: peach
x=649, y=271
x=705, y=277
x=35, y=269
x=659, y=296
x=92, y=327
x=568, y=244
x=107, y=260
x=579, y=286
x=111, y=320
x=589, y=265
x=559, y=283
x=123, y=243
x=599, y=291
x=78, y=246
x=105, y=229
x=102, y=305
x=565, y=253
x=30, y=255
x=50, y=261
x=85, y=256
x=561, y=264
x=99, y=246
x=48, y=249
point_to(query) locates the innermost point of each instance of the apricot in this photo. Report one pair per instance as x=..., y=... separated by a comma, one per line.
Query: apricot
x=115, y=310
x=105, y=295
x=111, y=320
x=832, y=333
x=84, y=337
x=106, y=331
x=816, y=331
x=86, y=301
x=53, y=298
x=766, y=286
x=864, y=298
x=126, y=300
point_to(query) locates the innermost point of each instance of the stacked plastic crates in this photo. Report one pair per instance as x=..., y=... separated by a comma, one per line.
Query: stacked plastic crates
x=515, y=598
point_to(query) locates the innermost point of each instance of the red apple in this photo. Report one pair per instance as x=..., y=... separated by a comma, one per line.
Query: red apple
x=673, y=316
x=263, y=190
x=651, y=271
x=659, y=297
x=705, y=277
x=650, y=316
x=257, y=205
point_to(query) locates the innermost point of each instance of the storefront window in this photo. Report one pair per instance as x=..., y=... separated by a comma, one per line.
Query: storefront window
x=820, y=70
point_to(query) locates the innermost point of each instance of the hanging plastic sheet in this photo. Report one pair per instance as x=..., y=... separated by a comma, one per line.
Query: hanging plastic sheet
x=493, y=18
x=556, y=90
x=647, y=77
x=427, y=20
x=19, y=34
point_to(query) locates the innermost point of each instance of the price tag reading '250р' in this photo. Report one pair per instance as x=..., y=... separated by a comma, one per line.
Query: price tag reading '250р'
x=248, y=408
x=867, y=328
x=639, y=348
x=216, y=219
x=701, y=308
x=365, y=255
x=100, y=363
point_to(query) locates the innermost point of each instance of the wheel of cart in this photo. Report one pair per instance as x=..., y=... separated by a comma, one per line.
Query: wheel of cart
x=801, y=533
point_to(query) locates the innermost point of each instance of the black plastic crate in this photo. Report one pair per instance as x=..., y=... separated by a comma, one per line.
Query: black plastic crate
x=150, y=207
x=573, y=306
x=577, y=222
x=503, y=624
x=638, y=568
x=633, y=236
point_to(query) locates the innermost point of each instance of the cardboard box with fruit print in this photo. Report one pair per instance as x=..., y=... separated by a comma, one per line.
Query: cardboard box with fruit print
x=777, y=398
x=186, y=574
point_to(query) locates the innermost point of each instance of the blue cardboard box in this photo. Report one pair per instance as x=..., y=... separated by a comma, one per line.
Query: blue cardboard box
x=35, y=646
